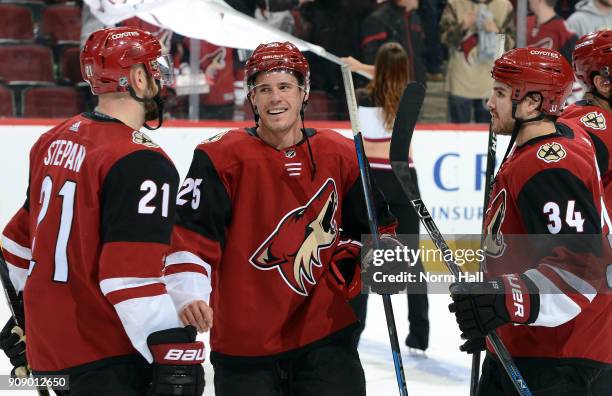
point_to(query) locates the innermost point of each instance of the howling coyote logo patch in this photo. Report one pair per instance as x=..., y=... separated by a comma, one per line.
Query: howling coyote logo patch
x=494, y=244
x=294, y=246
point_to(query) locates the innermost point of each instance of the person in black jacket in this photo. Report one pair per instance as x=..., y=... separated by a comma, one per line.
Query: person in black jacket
x=396, y=20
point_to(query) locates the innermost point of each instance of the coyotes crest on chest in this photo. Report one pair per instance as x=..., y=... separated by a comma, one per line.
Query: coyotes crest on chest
x=294, y=247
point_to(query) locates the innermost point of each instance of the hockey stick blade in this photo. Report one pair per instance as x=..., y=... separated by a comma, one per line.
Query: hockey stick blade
x=403, y=129
x=405, y=121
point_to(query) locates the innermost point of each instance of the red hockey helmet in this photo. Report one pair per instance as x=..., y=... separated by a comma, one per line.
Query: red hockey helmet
x=277, y=56
x=539, y=70
x=109, y=54
x=593, y=54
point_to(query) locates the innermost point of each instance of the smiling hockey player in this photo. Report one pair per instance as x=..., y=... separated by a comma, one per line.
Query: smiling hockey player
x=547, y=294
x=259, y=220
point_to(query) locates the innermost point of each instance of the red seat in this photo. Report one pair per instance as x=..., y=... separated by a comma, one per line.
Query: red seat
x=26, y=64
x=51, y=102
x=70, y=66
x=62, y=23
x=7, y=105
x=15, y=23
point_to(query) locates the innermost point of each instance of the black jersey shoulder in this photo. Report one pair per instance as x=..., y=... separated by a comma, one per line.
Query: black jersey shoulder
x=138, y=198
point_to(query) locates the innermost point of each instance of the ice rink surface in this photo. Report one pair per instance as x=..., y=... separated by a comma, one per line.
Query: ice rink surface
x=441, y=371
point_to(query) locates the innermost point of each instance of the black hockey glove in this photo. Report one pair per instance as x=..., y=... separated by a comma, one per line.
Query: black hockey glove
x=475, y=345
x=482, y=307
x=381, y=275
x=177, y=365
x=12, y=342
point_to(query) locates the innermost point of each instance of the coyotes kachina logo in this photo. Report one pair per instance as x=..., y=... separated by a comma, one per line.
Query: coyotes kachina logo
x=551, y=152
x=594, y=120
x=295, y=245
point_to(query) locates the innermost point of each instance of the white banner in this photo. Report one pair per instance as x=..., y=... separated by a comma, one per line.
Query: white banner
x=450, y=166
x=211, y=20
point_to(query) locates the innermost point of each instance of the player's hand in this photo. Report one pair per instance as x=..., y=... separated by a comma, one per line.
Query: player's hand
x=198, y=314
x=177, y=362
x=12, y=342
x=475, y=345
x=484, y=306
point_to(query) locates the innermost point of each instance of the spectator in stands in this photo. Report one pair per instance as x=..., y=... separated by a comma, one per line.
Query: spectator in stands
x=590, y=15
x=434, y=57
x=217, y=63
x=546, y=29
x=336, y=26
x=278, y=13
x=378, y=104
x=468, y=28
x=395, y=20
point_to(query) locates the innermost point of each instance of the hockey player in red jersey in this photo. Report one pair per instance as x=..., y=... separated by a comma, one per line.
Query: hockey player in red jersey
x=593, y=66
x=546, y=294
x=259, y=218
x=87, y=246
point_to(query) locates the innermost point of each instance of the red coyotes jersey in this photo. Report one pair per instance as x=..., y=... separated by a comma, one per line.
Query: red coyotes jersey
x=263, y=224
x=87, y=247
x=552, y=34
x=550, y=189
x=595, y=120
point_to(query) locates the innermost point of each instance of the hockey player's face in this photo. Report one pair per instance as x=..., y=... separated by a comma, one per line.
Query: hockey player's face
x=278, y=98
x=500, y=106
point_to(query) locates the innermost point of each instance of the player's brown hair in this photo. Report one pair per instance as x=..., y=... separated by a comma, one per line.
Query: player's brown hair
x=390, y=78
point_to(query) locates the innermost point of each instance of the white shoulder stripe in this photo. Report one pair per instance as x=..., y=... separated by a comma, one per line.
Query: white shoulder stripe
x=575, y=282
x=556, y=308
x=185, y=257
x=114, y=284
x=16, y=249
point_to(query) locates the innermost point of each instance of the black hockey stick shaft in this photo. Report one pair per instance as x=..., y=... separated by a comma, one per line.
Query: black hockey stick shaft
x=15, y=304
x=403, y=129
x=373, y=224
x=489, y=178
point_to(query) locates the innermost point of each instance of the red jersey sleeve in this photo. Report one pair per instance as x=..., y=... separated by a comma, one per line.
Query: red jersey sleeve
x=203, y=216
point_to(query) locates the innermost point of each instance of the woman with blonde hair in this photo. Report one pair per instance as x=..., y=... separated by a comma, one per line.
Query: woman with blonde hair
x=378, y=103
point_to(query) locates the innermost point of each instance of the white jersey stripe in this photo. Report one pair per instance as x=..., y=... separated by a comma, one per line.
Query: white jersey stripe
x=556, y=308
x=114, y=284
x=575, y=282
x=16, y=249
x=185, y=257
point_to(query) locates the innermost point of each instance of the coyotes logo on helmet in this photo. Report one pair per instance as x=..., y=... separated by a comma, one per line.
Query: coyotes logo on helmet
x=294, y=247
x=551, y=152
x=494, y=244
x=594, y=120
